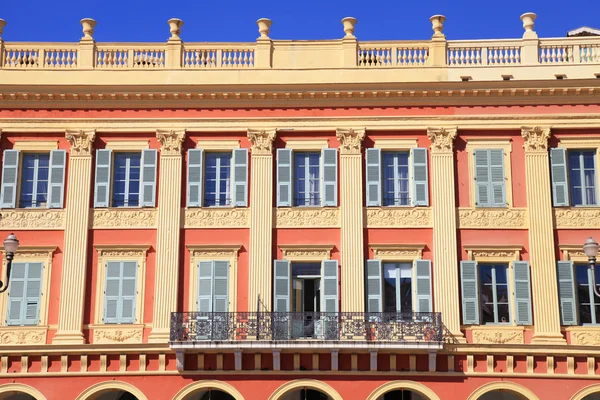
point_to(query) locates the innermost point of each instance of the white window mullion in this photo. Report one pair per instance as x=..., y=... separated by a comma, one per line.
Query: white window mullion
x=36, y=165
x=494, y=295
x=217, y=189
x=398, y=290
x=307, y=179
x=127, y=165
x=591, y=296
x=583, y=189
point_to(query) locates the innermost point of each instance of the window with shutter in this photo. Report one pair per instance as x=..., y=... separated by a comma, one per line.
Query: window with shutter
x=194, y=178
x=588, y=304
x=240, y=177
x=24, y=295
x=469, y=289
x=284, y=177
x=10, y=174
x=566, y=292
x=522, y=292
x=58, y=159
x=490, y=182
x=148, y=189
x=493, y=294
x=373, y=178
x=34, y=180
x=120, y=292
x=558, y=165
x=583, y=177
x=307, y=179
x=217, y=179
x=329, y=159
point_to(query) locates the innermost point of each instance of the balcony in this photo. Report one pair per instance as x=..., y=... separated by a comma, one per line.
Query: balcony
x=294, y=330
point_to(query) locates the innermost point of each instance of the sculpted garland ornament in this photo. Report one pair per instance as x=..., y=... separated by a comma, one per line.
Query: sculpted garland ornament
x=398, y=217
x=170, y=141
x=307, y=218
x=81, y=142
x=32, y=219
x=492, y=219
x=350, y=140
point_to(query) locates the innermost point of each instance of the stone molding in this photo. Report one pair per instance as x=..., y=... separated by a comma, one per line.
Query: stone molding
x=262, y=141
x=493, y=252
x=123, y=218
x=33, y=219
x=442, y=139
x=82, y=142
x=536, y=138
x=397, y=217
x=117, y=334
x=23, y=335
x=216, y=218
x=302, y=217
x=170, y=141
x=577, y=218
x=397, y=252
x=498, y=336
x=306, y=252
x=350, y=140
x=493, y=218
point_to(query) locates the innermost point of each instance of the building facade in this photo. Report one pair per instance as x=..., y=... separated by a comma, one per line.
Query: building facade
x=301, y=219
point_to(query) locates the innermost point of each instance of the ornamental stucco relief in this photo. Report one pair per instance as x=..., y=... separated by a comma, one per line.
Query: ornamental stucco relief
x=32, y=219
x=589, y=338
x=380, y=217
x=20, y=336
x=587, y=218
x=307, y=218
x=217, y=218
x=350, y=140
x=117, y=335
x=492, y=218
x=536, y=138
x=123, y=218
x=498, y=337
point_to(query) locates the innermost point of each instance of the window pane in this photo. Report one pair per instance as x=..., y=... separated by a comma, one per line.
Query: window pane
x=217, y=176
x=585, y=315
x=406, y=295
x=502, y=293
x=503, y=316
x=34, y=180
x=389, y=288
x=485, y=274
x=126, y=179
x=396, y=179
x=500, y=274
x=307, y=179
x=588, y=159
x=574, y=159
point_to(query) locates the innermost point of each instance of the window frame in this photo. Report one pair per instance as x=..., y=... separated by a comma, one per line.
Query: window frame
x=307, y=167
x=494, y=285
x=204, y=181
x=592, y=302
x=409, y=200
x=413, y=288
x=582, y=177
x=112, y=179
x=580, y=143
x=21, y=176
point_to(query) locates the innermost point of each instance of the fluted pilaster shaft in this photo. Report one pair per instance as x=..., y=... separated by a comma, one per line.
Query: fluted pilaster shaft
x=168, y=227
x=541, y=237
x=445, y=248
x=261, y=218
x=75, y=257
x=351, y=212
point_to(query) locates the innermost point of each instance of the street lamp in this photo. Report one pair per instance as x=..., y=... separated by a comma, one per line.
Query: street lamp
x=11, y=243
x=590, y=248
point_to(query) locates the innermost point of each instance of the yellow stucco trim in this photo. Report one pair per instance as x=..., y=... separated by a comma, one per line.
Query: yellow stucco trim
x=194, y=388
x=305, y=144
x=493, y=253
x=397, y=252
x=41, y=254
x=305, y=383
x=218, y=144
x=35, y=145
x=306, y=252
x=490, y=143
x=11, y=388
x=213, y=252
x=95, y=390
x=514, y=388
x=586, y=391
x=397, y=385
x=127, y=145
x=573, y=252
x=395, y=144
x=117, y=252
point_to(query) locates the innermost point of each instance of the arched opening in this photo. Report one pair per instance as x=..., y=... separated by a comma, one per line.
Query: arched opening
x=210, y=394
x=112, y=390
x=401, y=394
x=208, y=390
x=19, y=391
x=16, y=396
x=115, y=395
x=502, y=391
x=502, y=394
x=592, y=396
x=305, y=394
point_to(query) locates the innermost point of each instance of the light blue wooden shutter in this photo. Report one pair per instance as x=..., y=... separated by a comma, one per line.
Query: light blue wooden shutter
x=560, y=187
x=498, y=183
x=112, y=292
x=420, y=181
x=240, y=177
x=329, y=159
x=522, y=292
x=374, y=286
x=194, y=178
x=482, y=182
x=284, y=177
x=33, y=293
x=221, y=286
x=205, y=286
x=102, y=186
x=148, y=187
x=470, y=288
x=10, y=176
x=566, y=292
x=56, y=186
x=281, y=285
x=423, y=289
x=329, y=288
x=128, y=291
x=24, y=294
x=373, y=177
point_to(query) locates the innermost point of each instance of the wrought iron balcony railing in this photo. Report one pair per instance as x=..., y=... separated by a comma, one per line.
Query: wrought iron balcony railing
x=242, y=326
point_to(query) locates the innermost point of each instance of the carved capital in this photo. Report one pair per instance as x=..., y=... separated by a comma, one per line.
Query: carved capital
x=170, y=141
x=82, y=142
x=350, y=140
x=262, y=141
x=536, y=138
x=442, y=139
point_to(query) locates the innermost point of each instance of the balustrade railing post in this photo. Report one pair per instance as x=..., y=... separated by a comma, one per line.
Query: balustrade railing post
x=263, y=52
x=530, y=50
x=349, y=44
x=173, y=55
x=87, y=46
x=438, y=49
x=576, y=54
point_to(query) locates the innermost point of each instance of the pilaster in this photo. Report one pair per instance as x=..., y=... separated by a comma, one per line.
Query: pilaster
x=168, y=227
x=261, y=216
x=75, y=260
x=351, y=218
x=445, y=248
x=541, y=236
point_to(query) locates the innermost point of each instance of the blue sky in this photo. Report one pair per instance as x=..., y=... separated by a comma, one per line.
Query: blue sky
x=235, y=20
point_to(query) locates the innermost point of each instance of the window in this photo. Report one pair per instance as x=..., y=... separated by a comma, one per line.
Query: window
x=578, y=303
x=397, y=178
x=213, y=286
x=486, y=293
x=120, y=292
x=581, y=181
x=490, y=186
x=125, y=179
x=217, y=179
x=306, y=178
x=24, y=296
x=390, y=288
x=40, y=177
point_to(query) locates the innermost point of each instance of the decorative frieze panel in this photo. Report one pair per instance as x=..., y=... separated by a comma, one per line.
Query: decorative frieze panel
x=384, y=217
x=30, y=219
x=490, y=218
x=577, y=218
x=120, y=218
x=217, y=218
x=20, y=335
x=586, y=337
x=307, y=217
x=117, y=334
x=305, y=252
x=397, y=252
x=498, y=336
